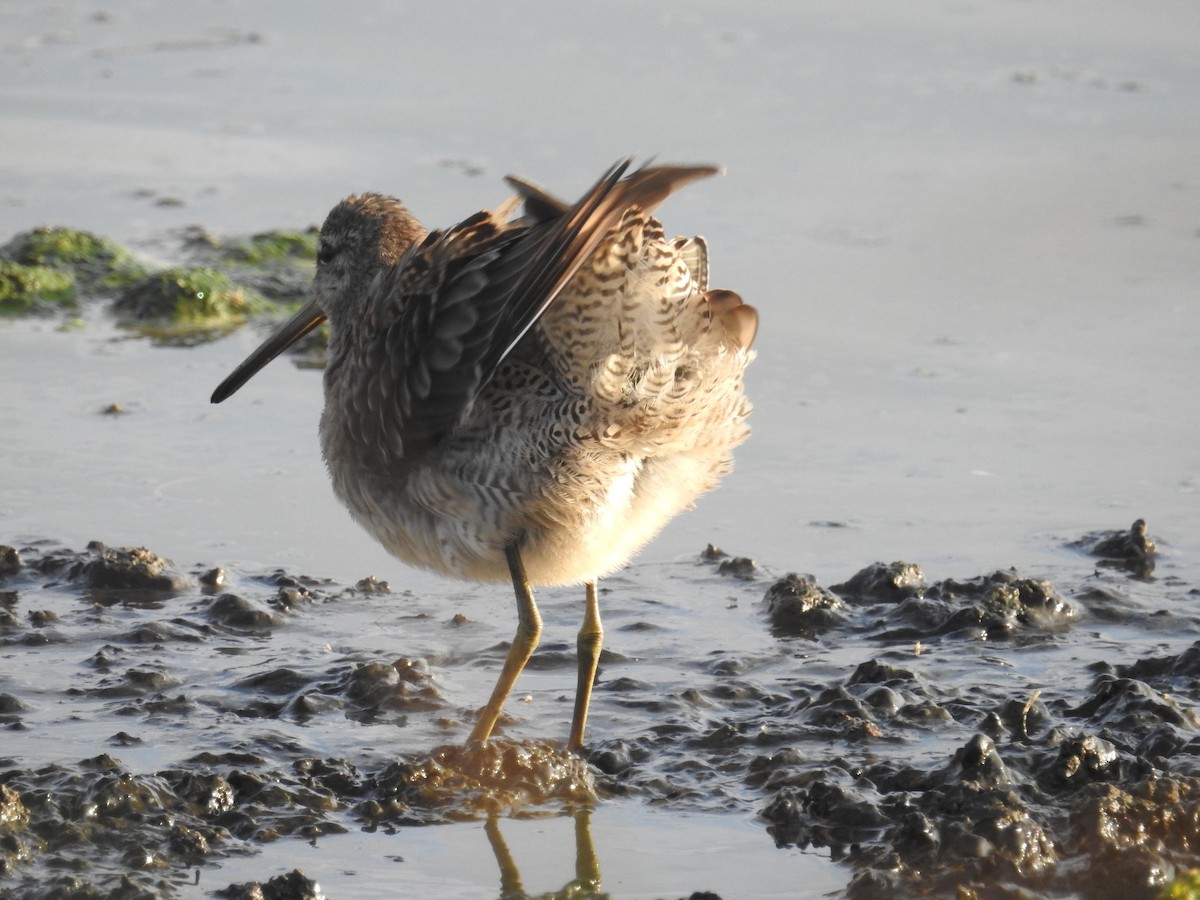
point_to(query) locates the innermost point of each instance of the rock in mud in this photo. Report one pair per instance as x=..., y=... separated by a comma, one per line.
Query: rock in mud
x=123, y=568
x=996, y=606
x=1082, y=759
x=797, y=605
x=1133, y=550
x=373, y=689
x=10, y=561
x=738, y=567
x=294, y=885
x=742, y=567
x=883, y=582
x=236, y=612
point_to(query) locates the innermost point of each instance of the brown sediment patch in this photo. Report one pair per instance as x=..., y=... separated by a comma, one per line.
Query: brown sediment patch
x=497, y=777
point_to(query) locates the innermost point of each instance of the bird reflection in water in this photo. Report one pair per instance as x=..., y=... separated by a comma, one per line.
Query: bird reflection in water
x=585, y=884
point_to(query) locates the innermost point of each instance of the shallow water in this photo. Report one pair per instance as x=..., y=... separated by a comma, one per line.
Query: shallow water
x=971, y=231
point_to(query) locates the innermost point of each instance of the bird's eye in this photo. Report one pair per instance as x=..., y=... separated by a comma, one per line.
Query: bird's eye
x=326, y=253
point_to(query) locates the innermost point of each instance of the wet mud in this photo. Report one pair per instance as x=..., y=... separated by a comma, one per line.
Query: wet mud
x=929, y=767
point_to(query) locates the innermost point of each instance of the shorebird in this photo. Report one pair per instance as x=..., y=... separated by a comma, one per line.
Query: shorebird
x=527, y=397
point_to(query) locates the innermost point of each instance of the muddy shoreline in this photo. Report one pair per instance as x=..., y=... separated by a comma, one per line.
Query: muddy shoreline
x=1089, y=786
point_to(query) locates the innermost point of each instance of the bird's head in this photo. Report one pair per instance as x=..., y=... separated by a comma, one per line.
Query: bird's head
x=362, y=236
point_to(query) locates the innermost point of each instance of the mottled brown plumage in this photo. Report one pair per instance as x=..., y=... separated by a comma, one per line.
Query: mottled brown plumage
x=529, y=398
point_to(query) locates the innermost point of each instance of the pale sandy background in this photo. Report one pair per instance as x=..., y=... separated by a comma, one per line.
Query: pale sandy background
x=971, y=227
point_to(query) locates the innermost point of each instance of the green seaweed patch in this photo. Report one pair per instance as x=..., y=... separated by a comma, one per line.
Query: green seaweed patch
x=96, y=262
x=282, y=282
x=188, y=305
x=1186, y=886
x=29, y=288
x=264, y=247
x=60, y=246
x=269, y=246
x=278, y=264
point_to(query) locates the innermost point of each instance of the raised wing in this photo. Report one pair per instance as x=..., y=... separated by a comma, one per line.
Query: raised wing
x=464, y=298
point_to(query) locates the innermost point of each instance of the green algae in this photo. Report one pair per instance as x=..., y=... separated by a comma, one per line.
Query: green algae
x=1186, y=886
x=269, y=246
x=58, y=246
x=278, y=264
x=97, y=263
x=220, y=285
x=188, y=305
x=28, y=288
x=258, y=249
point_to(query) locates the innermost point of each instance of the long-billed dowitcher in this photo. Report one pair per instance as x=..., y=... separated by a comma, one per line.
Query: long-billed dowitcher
x=525, y=397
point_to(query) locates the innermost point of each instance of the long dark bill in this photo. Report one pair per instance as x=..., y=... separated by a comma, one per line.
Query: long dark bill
x=308, y=318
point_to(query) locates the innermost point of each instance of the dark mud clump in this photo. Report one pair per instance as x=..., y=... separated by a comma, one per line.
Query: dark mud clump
x=294, y=885
x=235, y=612
x=10, y=561
x=884, y=582
x=1133, y=550
x=126, y=569
x=735, y=566
x=797, y=605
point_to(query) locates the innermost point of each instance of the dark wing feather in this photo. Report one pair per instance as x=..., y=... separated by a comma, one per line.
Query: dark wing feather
x=539, y=203
x=467, y=296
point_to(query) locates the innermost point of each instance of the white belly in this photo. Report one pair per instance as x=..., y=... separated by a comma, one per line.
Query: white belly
x=586, y=541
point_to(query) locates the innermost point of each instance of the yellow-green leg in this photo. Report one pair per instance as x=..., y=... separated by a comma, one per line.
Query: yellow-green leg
x=510, y=875
x=529, y=632
x=591, y=636
x=587, y=863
